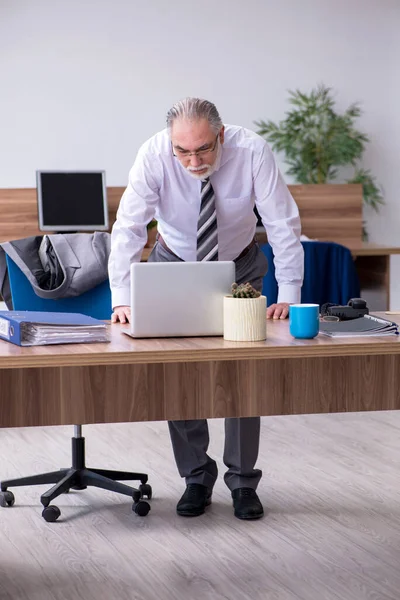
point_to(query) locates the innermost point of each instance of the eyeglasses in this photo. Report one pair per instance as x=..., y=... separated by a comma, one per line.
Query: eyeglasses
x=187, y=154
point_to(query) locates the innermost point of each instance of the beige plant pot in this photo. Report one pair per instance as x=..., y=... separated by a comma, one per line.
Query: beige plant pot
x=245, y=319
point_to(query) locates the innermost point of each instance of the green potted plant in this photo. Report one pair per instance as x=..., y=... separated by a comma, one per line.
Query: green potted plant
x=245, y=317
x=317, y=140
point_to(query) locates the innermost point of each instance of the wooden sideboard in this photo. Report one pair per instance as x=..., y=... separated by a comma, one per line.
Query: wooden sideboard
x=19, y=213
x=328, y=213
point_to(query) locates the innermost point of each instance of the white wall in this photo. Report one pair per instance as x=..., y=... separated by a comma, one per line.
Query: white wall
x=83, y=83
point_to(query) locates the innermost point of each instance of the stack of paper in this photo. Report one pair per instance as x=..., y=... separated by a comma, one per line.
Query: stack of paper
x=30, y=328
x=368, y=325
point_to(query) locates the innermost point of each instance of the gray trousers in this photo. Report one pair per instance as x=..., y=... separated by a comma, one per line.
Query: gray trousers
x=190, y=439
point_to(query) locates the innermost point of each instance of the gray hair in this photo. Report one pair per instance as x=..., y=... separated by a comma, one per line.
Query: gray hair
x=194, y=109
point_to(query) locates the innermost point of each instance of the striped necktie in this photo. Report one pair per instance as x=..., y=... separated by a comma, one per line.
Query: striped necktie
x=207, y=235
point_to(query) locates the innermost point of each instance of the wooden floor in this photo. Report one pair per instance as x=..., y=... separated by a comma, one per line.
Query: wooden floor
x=331, y=486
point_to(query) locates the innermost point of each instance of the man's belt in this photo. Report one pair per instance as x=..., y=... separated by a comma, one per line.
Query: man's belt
x=241, y=255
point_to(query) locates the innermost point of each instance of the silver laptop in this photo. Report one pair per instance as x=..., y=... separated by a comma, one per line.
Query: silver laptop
x=179, y=298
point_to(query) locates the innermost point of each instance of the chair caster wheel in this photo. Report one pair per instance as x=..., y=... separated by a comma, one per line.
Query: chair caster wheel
x=145, y=490
x=141, y=508
x=51, y=513
x=6, y=499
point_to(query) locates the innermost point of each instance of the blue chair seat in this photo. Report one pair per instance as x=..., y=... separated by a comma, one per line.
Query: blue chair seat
x=94, y=303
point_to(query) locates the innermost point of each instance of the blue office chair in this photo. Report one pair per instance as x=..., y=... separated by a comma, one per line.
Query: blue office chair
x=94, y=303
x=330, y=274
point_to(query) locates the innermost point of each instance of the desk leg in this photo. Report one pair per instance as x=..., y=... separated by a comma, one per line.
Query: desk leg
x=374, y=275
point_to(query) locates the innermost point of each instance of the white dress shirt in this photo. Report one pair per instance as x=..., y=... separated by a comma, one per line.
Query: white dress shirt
x=246, y=174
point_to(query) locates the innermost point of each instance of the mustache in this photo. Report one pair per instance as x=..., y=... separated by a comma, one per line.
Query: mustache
x=200, y=168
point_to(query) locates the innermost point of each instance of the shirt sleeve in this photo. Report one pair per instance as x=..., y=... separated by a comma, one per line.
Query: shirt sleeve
x=129, y=233
x=280, y=217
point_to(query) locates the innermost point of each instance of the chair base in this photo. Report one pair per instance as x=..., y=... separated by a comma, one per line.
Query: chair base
x=79, y=477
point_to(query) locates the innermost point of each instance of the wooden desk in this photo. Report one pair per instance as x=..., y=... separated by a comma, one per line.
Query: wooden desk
x=188, y=378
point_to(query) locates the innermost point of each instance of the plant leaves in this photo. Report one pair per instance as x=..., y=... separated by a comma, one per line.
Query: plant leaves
x=316, y=140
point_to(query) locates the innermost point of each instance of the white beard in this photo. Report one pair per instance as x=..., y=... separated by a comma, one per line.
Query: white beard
x=194, y=171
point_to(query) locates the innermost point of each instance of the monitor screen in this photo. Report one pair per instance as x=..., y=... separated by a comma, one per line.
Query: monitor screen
x=72, y=200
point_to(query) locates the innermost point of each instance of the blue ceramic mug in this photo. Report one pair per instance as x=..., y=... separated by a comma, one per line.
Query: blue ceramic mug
x=304, y=320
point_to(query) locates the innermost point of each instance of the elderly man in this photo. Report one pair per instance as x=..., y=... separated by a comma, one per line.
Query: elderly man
x=200, y=180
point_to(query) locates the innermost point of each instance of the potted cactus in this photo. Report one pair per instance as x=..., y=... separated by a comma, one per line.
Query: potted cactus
x=245, y=314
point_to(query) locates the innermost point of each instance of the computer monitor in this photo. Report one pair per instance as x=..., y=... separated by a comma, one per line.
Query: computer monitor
x=72, y=200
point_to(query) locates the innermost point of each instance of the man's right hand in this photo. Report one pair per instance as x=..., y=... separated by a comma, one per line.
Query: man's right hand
x=121, y=314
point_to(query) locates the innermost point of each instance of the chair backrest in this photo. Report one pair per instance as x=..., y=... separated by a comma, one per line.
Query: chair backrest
x=94, y=303
x=330, y=274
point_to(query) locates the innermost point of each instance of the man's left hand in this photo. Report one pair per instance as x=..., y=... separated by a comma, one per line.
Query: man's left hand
x=278, y=311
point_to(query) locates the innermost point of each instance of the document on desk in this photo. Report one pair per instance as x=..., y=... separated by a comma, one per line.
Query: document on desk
x=368, y=325
x=31, y=328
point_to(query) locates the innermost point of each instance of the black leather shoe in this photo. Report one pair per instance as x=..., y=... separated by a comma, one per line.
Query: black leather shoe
x=194, y=501
x=247, y=504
